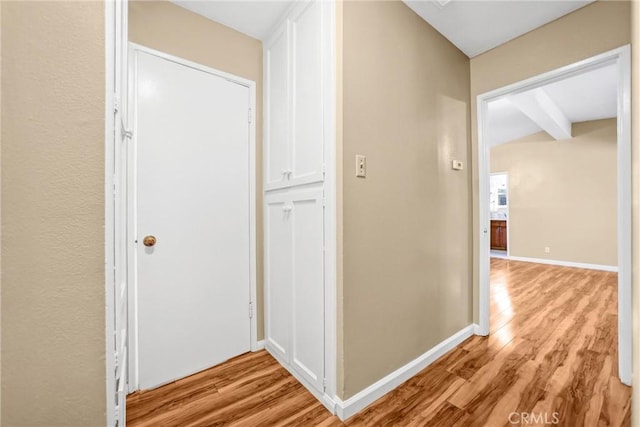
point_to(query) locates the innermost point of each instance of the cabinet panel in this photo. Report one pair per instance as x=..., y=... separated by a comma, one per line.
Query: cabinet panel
x=277, y=242
x=308, y=286
x=307, y=90
x=498, y=234
x=503, y=236
x=277, y=145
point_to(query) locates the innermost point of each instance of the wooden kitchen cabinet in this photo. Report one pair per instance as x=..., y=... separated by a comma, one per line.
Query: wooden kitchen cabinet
x=499, y=234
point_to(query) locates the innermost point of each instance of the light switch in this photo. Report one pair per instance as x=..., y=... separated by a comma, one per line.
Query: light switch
x=361, y=166
x=457, y=165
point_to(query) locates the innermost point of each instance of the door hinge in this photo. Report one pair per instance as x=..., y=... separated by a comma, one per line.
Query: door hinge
x=126, y=134
x=250, y=310
x=324, y=169
x=249, y=115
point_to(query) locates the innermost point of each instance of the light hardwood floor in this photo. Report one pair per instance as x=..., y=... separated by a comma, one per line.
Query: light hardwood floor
x=552, y=349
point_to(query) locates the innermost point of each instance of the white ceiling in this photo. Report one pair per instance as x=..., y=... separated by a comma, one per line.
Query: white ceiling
x=506, y=123
x=253, y=18
x=476, y=26
x=588, y=96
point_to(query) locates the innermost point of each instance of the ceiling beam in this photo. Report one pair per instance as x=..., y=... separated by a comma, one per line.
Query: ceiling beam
x=544, y=112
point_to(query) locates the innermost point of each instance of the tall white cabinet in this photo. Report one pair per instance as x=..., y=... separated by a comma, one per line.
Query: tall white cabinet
x=298, y=138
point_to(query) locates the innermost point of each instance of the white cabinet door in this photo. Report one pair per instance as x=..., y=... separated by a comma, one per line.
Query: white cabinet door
x=307, y=225
x=277, y=110
x=294, y=281
x=307, y=90
x=277, y=274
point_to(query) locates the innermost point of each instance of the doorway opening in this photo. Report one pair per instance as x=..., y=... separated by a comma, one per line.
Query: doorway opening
x=499, y=213
x=532, y=100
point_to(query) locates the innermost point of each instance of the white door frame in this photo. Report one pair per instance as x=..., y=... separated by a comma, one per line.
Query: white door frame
x=506, y=173
x=622, y=57
x=331, y=205
x=131, y=202
x=111, y=41
x=116, y=24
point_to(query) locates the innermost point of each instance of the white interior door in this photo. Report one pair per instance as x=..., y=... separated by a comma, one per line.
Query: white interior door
x=192, y=194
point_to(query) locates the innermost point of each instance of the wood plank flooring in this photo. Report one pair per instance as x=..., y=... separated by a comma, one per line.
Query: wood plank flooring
x=551, y=352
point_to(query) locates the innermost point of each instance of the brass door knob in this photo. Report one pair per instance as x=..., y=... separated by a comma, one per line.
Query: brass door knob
x=149, y=241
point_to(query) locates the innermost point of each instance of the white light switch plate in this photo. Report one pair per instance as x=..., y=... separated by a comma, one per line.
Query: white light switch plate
x=361, y=166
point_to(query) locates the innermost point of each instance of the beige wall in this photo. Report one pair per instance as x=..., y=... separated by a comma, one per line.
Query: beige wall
x=172, y=29
x=407, y=247
x=53, y=343
x=562, y=194
x=596, y=28
x=0, y=213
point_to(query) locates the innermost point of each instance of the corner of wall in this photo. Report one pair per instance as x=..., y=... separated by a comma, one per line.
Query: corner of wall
x=339, y=200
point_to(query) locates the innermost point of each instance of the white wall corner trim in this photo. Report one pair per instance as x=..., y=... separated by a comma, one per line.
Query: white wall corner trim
x=348, y=408
x=477, y=330
x=257, y=346
x=613, y=268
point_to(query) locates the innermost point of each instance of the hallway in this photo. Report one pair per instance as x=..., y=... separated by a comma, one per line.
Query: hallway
x=551, y=352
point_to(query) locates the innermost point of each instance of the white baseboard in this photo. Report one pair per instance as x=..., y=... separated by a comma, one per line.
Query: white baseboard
x=351, y=406
x=257, y=346
x=477, y=330
x=613, y=268
x=324, y=398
